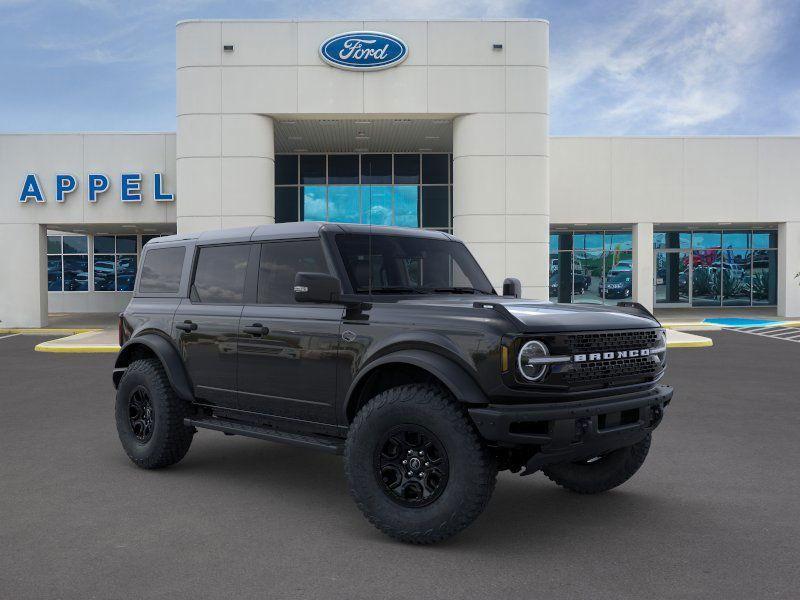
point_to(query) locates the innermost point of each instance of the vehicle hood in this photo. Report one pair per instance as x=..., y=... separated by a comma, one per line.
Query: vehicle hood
x=543, y=316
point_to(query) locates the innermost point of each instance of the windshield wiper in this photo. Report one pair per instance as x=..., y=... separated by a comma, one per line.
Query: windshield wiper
x=458, y=290
x=395, y=289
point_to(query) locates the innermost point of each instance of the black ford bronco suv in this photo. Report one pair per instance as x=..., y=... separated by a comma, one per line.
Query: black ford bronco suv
x=389, y=346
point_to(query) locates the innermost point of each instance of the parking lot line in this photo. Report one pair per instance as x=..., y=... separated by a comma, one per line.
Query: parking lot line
x=2, y=337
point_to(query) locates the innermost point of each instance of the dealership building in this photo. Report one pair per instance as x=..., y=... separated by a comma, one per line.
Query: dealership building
x=434, y=124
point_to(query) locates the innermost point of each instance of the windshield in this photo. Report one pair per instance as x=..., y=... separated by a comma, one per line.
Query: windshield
x=388, y=264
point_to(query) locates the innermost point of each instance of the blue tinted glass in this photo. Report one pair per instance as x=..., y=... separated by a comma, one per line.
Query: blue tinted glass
x=54, y=244
x=736, y=239
x=343, y=204
x=659, y=239
x=672, y=239
x=765, y=239
x=553, y=242
x=126, y=273
x=765, y=277
x=589, y=241
x=314, y=203
x=104, y=272
x=76, y=273
x=54, y=274
x=706, y=239
x=126, y=244
x=376, y=204
x=406, y=211
x=618, y=241
x=75, y=244
x=103, y=244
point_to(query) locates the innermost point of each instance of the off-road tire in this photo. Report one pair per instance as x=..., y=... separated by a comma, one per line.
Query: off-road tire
x=608, y=472
x=472, y=468
x=170, y=438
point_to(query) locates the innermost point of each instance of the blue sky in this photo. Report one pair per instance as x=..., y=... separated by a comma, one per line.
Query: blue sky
x=617, y=68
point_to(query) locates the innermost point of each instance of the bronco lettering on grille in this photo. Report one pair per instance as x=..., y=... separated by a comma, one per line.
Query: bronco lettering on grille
x=610, y=355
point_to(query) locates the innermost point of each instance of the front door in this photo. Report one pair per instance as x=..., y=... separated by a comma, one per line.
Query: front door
x=207, y=323
x=287, y=351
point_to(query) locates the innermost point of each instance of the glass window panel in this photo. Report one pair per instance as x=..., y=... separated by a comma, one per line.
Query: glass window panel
x=285, y=169
x=312, y=168
x=672, y=239
x=587, y=273
x=706, y=239
x=672, y=277
x=735, y=277
x=54, y=279
x=161, y=270
x=434, y=207
x=75, y=244
x=126, y=244
x=313, y=202
x=706, y=277
x=554, y=274
x=618, y=241
x=659, y=239
x=126, y=273
x=617, y=285
x=376, y=204
x=220, y=272
x=588, y=241
x=376, y=168
x=54, y=244
x=104, y=244
x=147, y=238
x=434, y=168
x=280, y=262
x=76, y=273
x=104, y=272
x=343, y=204
x=286, y=205
x=553, y=242
x=765, y=277
x=406, y=168
x=406, y=206
x=736, y=239
x=765, y=239
x=343, y=168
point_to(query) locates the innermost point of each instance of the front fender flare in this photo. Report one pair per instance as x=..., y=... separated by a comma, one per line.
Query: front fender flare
x=460, y=383
x=166, y=353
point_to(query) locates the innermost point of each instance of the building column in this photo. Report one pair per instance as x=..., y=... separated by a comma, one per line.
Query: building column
x=788, y=266
x=642, y=276
x=23, y=271
x=226, y=171
x=501, y=196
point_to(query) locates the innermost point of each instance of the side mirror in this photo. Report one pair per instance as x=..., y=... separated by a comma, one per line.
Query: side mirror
x=512, y=287
x=317, y=287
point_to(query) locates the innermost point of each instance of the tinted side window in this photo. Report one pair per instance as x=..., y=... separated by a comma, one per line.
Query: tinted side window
x=161, y=271
x=280, y=262
x=220, y=274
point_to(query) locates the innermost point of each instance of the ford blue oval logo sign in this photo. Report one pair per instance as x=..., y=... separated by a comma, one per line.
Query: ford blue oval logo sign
x=363, y=50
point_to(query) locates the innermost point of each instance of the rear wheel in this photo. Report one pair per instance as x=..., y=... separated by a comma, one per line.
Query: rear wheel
x=150, y=416
x=600, y=473
x=415, y=465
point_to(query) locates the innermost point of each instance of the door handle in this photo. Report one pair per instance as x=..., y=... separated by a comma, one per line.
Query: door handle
x=256, y=329
x=186, y=326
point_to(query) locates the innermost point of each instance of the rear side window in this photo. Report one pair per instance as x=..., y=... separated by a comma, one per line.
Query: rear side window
x=161, y=271
x=220, y=274
x=280, y=262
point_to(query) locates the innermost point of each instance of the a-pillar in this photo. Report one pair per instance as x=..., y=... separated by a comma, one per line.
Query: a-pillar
x=501, y=201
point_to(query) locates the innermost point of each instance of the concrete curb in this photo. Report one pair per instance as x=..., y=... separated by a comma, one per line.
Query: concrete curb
x=99, y=349
x=47, y=331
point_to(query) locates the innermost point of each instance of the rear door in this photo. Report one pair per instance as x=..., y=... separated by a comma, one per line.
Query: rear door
x=288, y=351
x=207, y=323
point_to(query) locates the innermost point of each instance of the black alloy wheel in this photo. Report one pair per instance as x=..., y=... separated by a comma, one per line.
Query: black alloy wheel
x=140, y=414
x=411, y=465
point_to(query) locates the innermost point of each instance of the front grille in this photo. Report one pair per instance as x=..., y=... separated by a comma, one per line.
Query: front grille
x=642, y=367
x=583, y=343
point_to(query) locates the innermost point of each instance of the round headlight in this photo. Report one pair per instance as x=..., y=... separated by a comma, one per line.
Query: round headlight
x=529, y=367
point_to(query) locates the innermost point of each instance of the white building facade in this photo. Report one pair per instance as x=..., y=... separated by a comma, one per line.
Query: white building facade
x=450, y=132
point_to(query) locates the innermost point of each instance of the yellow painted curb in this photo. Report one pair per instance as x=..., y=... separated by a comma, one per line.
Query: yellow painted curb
x=704, y=343
x=46, y=347
x=46, y=331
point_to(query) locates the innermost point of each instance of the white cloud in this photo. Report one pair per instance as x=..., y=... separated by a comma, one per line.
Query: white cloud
x=668, y=67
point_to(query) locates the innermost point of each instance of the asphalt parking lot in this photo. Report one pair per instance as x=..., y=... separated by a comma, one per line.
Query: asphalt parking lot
x=714, y=512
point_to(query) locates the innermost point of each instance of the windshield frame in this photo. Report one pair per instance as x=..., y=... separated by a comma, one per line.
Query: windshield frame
x=348, y=285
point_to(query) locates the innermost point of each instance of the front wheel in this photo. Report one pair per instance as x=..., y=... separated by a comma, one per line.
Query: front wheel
x=600, y=473
x=416, y=466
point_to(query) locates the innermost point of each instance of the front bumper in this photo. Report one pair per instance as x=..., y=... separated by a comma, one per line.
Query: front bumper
x=566, y=431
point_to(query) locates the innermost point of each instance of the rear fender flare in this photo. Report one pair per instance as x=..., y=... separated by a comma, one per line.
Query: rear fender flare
x=166, y=352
